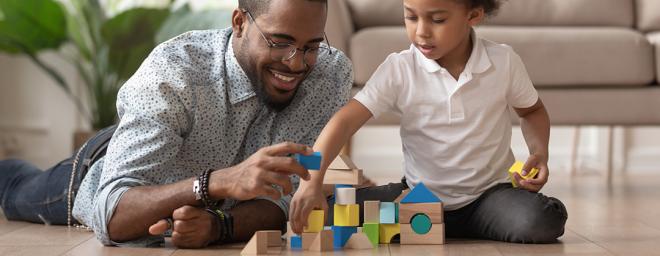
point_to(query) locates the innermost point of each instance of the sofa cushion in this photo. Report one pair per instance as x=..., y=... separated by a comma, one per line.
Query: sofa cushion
x=648, y=15
x=566, y=13
x=554, y=56
x=372, y=13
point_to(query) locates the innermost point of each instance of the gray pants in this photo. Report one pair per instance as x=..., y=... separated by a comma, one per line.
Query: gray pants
x=502, y=213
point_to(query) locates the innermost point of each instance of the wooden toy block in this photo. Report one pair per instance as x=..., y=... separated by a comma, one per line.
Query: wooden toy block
x=345, y=196
x=314, y=222
x=403, y=195
x=433, y=210
x=420, y=194
x=341, y=235
x=388, y=212
x=371, y=211
x=311, y=162
x=307, y=240
x=436, y=235
x=359, y=241
x=342, y=162
x=259, y=242
x=387, y=231
x=347, y=215
x=295, y=242
x=517, y=168
x=274, y=238
x=349, y=177
x=372, y=231
x=323, y=241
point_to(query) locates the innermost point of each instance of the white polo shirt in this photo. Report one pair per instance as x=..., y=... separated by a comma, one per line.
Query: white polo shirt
x=456, y=135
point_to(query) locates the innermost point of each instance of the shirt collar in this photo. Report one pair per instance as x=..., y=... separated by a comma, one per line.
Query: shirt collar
x=478, y=62
x=239, y=85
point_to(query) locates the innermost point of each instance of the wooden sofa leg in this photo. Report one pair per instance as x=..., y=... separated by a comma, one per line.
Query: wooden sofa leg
x=610, y=153
x=572, y=165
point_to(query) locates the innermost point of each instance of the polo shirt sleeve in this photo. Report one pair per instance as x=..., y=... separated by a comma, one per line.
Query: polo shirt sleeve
x=521, y=92
x=380, y=92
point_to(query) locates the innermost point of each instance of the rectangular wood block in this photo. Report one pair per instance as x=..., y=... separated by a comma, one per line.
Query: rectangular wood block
x=347, y=215
x=345, y=196
x=371, y=211
x=435, y=236
x=432, y=210
x=348, y=177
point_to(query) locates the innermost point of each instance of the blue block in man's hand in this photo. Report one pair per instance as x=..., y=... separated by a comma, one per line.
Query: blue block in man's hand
x=311, y=162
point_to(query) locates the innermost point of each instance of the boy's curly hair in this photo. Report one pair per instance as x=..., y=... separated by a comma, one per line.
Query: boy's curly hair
x=490, y=6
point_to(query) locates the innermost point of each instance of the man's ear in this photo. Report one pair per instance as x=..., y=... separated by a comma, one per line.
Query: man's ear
x=238, y=23
x=476, y=15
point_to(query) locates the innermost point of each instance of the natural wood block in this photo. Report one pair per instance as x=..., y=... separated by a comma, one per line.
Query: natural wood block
x=347, y=215
x=342, y=162
x=435, y=236
x=345, y=196
x=371, y=211
x=348, y=177
x=359, y=241
x=274, y=238
x=432, y=210
x=315, y=221
x=308, y=239
x=403, y=195
x=323, y=241
x=258, y=244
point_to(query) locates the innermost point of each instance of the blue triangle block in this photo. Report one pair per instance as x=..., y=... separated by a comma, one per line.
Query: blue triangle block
x=420, y=194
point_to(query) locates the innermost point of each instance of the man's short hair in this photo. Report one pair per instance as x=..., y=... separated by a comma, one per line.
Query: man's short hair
x=258, y=7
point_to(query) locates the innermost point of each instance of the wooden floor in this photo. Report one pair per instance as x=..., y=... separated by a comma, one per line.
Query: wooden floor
x=622, y=219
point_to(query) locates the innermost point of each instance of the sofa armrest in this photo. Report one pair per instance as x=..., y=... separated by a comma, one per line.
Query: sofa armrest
x=339, y=25
x=654, y=38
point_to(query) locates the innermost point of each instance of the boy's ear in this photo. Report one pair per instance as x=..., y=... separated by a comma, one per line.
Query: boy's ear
x=476, y=15
x=238, y=23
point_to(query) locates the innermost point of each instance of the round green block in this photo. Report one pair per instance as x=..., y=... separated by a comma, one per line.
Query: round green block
x=420, y=223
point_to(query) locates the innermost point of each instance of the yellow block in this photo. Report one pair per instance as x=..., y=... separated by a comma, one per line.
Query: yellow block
x=314, y=222
x=517, y=168
x=347, y=215
x=387, y=231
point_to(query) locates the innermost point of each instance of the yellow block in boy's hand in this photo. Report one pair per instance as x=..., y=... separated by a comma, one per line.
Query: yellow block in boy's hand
x=314, y=222
x=517, y=168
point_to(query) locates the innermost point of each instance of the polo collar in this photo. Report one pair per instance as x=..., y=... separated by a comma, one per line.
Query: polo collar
x=478, y=62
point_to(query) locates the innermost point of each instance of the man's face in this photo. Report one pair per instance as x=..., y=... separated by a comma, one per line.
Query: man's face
x=297, y=22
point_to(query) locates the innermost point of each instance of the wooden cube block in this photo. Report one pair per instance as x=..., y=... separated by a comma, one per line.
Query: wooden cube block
x=345, y=196
x=323, y=241
x=388, y=213
x=371, y=211
x=314, y=222
x=359, y=241
x=349, y=177
x=432, y=210
x=436, y=235
x=341, y=235
x=347, y=215
x=372, y=231
x=259, y=242
x=387, y=231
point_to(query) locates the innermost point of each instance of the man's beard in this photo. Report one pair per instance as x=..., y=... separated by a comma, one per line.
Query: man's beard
x=257, y=84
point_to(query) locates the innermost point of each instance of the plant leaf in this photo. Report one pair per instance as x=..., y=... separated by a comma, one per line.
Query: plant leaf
x=184, y=20
x=33, y=24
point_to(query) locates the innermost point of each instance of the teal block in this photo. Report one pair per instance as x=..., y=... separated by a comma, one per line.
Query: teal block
x=389, y=213
x=421, y=223
x=420, y=194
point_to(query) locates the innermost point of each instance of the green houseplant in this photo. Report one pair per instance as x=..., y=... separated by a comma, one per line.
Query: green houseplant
x=105, y=51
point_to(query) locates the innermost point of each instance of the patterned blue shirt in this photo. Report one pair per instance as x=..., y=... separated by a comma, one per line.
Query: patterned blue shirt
x=191, y=107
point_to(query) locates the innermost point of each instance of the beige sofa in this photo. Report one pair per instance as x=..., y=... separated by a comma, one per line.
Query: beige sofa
x=594, y=62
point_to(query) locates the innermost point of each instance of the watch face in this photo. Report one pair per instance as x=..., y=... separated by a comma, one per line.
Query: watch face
x=196, y=190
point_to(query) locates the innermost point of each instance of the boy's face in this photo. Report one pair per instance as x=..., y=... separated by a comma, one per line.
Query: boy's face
x=437, y=27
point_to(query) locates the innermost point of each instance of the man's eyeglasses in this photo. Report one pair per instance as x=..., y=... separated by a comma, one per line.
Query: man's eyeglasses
x=287, y=51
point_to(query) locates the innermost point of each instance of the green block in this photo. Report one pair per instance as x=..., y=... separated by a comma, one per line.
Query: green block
x=421, y=223
x=371, y=229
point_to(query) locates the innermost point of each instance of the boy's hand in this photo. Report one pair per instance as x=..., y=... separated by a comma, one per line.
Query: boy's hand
x=307, y=198
x=536, y=183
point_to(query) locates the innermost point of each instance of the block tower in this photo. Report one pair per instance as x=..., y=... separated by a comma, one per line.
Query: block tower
x=421, y=217
x=343, y=173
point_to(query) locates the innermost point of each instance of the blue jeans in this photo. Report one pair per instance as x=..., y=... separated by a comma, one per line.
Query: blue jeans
x=502, y=213
x=30, y=194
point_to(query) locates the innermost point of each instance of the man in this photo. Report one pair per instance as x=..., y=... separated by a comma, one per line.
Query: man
x=210, y=118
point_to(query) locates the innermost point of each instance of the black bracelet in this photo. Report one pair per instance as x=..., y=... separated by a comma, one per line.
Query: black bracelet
x=204, y=179
x=225, y=225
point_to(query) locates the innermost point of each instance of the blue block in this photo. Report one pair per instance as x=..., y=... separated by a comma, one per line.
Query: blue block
x=311, y=162
x=389, y=213
x=340, y=235
x=420, y=194
x=296, y=242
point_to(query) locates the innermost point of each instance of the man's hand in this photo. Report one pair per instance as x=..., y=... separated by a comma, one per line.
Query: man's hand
x=307, y=198
x=192, y=227
x=536, y=183
x=256, y=175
